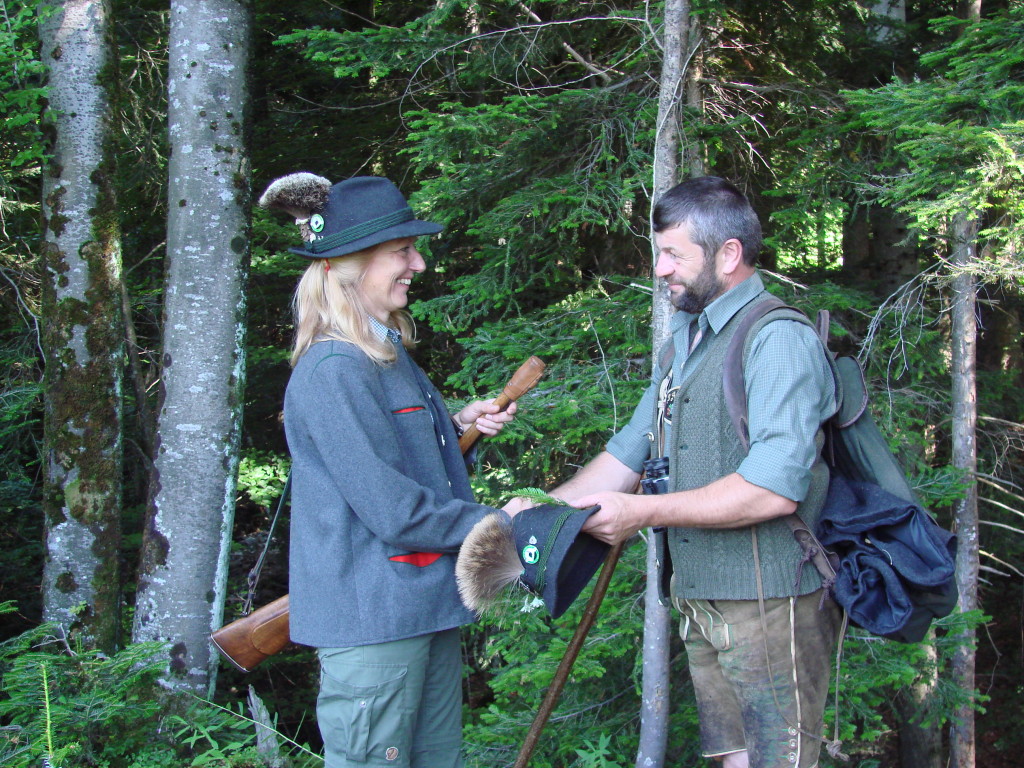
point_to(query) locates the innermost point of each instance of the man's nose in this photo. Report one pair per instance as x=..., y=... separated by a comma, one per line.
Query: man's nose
x=664, y=266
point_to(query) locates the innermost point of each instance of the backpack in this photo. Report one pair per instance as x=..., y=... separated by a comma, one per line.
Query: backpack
x=886, y=562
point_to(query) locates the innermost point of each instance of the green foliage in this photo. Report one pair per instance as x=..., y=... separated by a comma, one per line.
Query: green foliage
x=261, y=476
x=21, y=156
x=537, y=496
x=598, y=755
x=220, y=743
x=875, y=671
x=84, y=709
x=517, y=654
x=531, y=228
x=596, y=346
x=20, y=415
x=960, y=135
x=88, y=699
x=22, y=153
x=21, y=95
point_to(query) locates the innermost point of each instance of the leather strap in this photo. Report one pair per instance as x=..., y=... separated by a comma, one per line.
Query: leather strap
x=254, y=574
x=736, y=402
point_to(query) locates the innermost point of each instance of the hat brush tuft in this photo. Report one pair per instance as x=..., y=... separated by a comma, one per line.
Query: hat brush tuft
x=301, y=195
x=487, y=562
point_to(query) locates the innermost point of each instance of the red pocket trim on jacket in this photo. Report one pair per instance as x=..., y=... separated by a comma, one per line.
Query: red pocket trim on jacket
x=419, y=559
x=410, y=409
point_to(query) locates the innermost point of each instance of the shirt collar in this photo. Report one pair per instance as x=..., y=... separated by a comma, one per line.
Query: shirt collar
x=382, y=331
x=721, y=310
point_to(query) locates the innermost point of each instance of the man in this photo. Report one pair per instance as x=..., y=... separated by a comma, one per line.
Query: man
x=722, y=511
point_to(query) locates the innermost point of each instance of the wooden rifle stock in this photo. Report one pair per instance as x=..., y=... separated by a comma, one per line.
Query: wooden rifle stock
x=256, y=637
x=252, y=639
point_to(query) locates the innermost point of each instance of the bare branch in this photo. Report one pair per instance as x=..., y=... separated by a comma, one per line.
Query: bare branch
x=25, y=310
x=576, y=55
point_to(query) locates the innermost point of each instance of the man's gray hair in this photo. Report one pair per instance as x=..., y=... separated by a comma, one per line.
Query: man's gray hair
x=713, y=211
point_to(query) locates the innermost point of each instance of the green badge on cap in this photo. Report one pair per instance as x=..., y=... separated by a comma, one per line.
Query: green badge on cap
x=316, y=222
x=530, y=554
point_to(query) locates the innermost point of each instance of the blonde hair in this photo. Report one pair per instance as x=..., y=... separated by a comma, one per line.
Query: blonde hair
x=328, y=305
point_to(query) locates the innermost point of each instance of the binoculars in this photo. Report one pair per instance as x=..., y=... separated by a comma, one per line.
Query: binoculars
x=655, y=476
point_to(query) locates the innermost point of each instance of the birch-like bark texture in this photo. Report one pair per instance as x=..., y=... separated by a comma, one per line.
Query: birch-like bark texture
x=666, y=142
x=654, y=703
x=962, y=745
x=83, y=330
x=183, y=571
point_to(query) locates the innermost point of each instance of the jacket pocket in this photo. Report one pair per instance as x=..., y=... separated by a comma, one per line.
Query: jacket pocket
x=365, y=716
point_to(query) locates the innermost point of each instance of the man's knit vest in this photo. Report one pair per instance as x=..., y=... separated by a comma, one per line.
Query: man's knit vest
x=717, y=563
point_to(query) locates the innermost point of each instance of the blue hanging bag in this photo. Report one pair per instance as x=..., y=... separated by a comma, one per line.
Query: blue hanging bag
x=888, y=564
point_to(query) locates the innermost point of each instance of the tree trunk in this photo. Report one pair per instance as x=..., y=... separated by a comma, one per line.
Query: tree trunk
x=83, y=330
x=695, y=159
x=920, y=742
x=666, y=141
x=893, y=11
x=654, y=714
x=965, y=458
x=183, y=568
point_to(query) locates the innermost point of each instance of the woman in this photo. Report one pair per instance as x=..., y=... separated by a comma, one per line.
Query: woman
x=380, y=493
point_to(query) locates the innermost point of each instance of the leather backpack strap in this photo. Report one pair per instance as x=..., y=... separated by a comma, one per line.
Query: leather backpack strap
x=732, y=372
x=736, y=402
x=825, y=561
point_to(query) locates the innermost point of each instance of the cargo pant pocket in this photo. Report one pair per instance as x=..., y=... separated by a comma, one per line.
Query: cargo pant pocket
x=364, y=715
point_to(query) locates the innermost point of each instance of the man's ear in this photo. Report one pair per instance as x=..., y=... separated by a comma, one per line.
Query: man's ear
x=731, y=254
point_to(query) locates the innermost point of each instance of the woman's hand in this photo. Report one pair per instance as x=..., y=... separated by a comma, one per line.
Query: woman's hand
x=517, y=504
x=488, y=417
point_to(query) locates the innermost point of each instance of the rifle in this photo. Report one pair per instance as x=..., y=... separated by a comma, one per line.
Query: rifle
x=255, y=637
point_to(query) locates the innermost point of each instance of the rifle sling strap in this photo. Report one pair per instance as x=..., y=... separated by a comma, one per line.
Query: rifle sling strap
x=254, y=574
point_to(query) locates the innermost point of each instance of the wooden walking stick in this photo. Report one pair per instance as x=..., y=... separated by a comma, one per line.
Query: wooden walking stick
x=565, y=666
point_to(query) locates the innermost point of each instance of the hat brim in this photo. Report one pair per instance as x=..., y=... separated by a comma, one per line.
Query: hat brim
x=576, y=557
x=580, y=555
x=414, y=228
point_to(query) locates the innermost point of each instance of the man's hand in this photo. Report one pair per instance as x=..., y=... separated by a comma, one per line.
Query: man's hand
x=620, y=515
x=488, y=417
x=729, y=502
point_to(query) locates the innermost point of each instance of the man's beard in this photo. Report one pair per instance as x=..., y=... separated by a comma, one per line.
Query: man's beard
x=705, y=288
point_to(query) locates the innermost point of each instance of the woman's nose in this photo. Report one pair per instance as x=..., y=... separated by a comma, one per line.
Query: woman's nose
x=416, y=262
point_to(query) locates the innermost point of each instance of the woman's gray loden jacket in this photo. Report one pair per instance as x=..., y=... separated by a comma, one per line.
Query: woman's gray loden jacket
x=371, y=481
